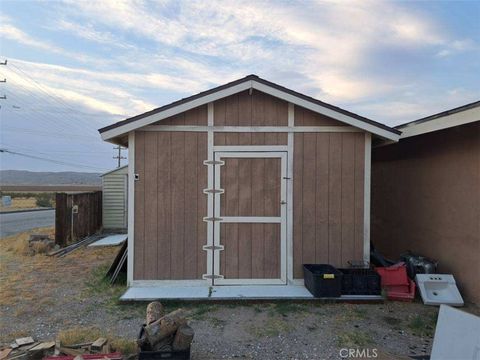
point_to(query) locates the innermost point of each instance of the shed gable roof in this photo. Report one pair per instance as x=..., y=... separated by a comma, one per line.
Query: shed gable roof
x=248, y=82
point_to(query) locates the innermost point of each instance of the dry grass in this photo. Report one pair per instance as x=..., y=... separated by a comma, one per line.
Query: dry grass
x=36, y=278
x=21, y=203
x=80, y=335
x=18, y=244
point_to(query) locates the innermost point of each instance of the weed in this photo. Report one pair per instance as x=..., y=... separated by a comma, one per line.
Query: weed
x=391, y=320
x=353, y=339
x=423, y=325
x=79, y=335
x=270, y=328
x=201, y=310
x=285, y=308
x=124, y=346
x=360, y=313
x=216, y=322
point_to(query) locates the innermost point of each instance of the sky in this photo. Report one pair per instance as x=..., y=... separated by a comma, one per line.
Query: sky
x=75, y=66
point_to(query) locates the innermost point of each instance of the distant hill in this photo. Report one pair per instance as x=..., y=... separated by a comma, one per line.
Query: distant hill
x=23, y=177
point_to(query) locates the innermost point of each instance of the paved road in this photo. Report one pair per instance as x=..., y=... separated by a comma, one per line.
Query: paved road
x=18, y=222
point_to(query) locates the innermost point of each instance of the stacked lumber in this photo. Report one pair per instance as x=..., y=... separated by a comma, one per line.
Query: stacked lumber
x=165, y=332
x=28, y=349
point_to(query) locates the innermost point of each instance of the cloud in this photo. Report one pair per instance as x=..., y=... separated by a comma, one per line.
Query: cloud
x=327, y=42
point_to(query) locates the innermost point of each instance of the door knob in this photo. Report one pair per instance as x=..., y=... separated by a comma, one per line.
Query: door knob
x=283, y=202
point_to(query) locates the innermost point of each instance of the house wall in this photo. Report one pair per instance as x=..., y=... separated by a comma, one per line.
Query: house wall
x=114, y=189
x=328, y=187
x=426, y=198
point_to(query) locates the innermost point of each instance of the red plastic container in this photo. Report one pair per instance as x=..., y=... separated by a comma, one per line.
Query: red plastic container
x=395, y=281
x=405, y=294
x=395, y=275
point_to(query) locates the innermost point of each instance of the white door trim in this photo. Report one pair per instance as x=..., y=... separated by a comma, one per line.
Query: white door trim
x=282, y=220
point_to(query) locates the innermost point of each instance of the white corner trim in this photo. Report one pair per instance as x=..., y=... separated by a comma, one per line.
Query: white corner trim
x=444, y=122
x=131, y=206
x=367, y=199
x=109, y=134
x=210, y=195
x=290, y=146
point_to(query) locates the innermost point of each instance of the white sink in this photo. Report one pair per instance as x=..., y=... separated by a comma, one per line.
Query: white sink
x=437, y=289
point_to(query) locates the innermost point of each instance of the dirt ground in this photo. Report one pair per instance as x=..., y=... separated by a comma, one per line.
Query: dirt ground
x=48, y=297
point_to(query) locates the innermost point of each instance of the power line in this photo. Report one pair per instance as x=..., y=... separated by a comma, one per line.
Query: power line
x=50, y=160
x=119, y=156
x=54, y=97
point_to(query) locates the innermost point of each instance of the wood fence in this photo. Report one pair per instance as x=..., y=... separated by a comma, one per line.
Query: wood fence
x=77, y=216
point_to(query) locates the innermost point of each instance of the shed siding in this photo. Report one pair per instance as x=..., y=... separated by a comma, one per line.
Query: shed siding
x=114, y=187
x=328, y=188
x=196, y=116
x=243, y=109
x=170, y=205
x=434, y=210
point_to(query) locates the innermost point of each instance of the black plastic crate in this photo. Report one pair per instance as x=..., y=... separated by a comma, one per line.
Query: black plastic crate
x=360, y=282
x=323, y=280
x=161, y=355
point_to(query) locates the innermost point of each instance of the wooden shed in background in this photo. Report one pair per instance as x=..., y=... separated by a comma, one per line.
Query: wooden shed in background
x=241, y=185
x=115, y=199
x=426, y=194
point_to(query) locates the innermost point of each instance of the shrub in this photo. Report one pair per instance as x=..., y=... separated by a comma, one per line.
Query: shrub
x=44, y=200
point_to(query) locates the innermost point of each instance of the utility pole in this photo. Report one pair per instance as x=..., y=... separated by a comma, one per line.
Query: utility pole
x=119, y=156
x=4, y=97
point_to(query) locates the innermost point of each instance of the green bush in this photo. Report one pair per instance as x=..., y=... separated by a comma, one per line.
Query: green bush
x=44, y=200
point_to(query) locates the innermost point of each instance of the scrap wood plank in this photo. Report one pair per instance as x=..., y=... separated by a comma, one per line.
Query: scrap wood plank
x=98, y=344
x=43, y=346
x=24, y=341
x=71, y=352
x=111, y=356
x=5, y=352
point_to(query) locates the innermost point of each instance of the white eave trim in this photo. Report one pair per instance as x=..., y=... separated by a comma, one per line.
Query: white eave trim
x=444, y=122
x=249, y=84
x=114, y=170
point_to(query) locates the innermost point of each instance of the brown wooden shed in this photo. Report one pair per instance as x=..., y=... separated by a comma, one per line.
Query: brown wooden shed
x=244, y=183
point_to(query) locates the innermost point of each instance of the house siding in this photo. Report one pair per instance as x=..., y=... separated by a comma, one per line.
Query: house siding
x=426, y=198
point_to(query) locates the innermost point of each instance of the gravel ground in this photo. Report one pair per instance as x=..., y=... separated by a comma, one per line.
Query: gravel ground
x=42, y=296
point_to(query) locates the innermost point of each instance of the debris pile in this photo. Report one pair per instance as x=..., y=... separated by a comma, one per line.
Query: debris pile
x=28, y=349
x=165, y=332
x=40, y=244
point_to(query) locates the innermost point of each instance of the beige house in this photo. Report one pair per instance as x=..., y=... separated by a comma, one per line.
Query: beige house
x=241, y=185
x=426, y=194
x=115, y=199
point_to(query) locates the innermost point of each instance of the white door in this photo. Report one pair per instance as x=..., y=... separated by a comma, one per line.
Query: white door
x=250, y=212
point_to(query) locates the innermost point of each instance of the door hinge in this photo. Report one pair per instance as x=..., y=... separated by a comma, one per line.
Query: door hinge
x=213, y=247
x=206, y=219
x=213, y=191
x=214, y=162
x=208, y=276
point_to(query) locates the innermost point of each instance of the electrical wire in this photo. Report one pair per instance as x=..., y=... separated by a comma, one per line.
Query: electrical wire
x=59, y=162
